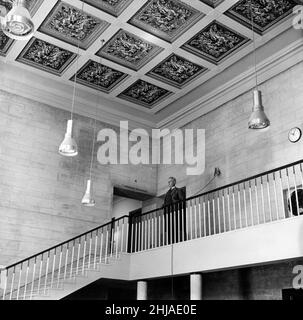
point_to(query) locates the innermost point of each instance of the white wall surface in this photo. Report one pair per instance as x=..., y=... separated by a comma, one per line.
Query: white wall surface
x=122, y=206
x=270, y=242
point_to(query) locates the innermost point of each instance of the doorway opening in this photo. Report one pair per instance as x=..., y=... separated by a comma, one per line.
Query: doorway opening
x=127, y=201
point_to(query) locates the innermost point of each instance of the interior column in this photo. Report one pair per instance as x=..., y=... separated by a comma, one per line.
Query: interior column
x=142, y=290
x=196, y=286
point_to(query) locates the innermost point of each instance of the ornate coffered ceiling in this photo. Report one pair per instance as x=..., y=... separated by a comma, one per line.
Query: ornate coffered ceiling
x=144, y=93
x=70, y=24
x=99, y=76
x=215, y=42
x=167, y=19
x=46, y=56
x=155, y=51
x=129, y=50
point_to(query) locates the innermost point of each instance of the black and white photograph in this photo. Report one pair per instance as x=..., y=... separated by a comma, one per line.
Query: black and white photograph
x=151, y=153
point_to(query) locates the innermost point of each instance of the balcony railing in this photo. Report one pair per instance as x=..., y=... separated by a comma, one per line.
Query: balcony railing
x=267, y=197
x=270, y=196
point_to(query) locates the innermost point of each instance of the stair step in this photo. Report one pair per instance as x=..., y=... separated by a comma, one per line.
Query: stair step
x=73, y=275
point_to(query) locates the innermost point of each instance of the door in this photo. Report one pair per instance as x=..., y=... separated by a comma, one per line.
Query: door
x=134, y=217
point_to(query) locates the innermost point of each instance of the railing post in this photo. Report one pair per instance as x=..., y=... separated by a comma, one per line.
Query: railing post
x=53, y=268
x=12, y=284
x=127, y=237
x=224, y=213
x=90, y=249
x=66, y=261
x=195, y=220
x=72, y=261
x=3, y=280
x=214, y=213
x=40, y=274
x=200, y=219
x=78, y=257
x=281, y=190
x=117, y=239
x=251, y=205
x=276, y=197
x=46, y=273
x=26, y=279
x=19, y=281
x=101, y=247
x=204, y=217
x=296, y=192
x=106, y=246
x=59, y=268
x=228, y=209
x=122, y=236
x=84, y=255
x=219, y=211
x=269, y=201
x=257, y=201
x=95, y=253
x=33, y=279
x=240, y=207
x=208, y=215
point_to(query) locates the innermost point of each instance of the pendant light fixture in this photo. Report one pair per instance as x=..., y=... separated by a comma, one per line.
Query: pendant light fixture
x=258, y=118
x=88, y=200
x=17, y=24
x=68, y=147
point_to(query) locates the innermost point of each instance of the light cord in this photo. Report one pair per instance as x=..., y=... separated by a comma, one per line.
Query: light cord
x=76, y=73
x=93, y=151
x=94, y=134
x=254, y=43
x=208, y=183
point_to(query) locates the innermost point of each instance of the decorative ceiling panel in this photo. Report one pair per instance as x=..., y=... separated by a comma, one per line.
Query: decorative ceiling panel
x=176, y=71
x=99, y=76
x=144, y=93
x=206, y=33
x=129, y=50
x=46, y=56
x=166, y=19
x=266, y=13
x=113, y=7
x=71, y=25
x=212, y=3
x=33, y=5
x=5, y=44
x=215, y=42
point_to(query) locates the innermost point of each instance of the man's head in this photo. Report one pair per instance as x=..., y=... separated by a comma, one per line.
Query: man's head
x=171, y=182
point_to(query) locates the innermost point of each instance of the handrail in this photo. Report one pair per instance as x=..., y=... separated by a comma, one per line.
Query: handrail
x=155, y=210
x=65, y=242
x=226, y=186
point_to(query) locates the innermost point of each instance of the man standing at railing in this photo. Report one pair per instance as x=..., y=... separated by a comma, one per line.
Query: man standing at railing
x=172, y=204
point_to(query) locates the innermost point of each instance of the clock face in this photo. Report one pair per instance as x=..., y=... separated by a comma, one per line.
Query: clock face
x=294, y=135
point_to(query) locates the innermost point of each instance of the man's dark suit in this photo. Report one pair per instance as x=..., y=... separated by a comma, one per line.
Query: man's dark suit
x=173, y=203
x=173, y=196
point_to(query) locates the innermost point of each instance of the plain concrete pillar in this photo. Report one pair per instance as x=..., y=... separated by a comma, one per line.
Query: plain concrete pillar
x=142, y=290
x=195, y=286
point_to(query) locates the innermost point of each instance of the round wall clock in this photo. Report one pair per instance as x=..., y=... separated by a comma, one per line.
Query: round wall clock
x=294, y=135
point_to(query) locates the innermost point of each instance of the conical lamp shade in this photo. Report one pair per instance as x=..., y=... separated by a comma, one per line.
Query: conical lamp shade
x=68, y=147
x=258, y=118
x=17, y=24
x=88, y=200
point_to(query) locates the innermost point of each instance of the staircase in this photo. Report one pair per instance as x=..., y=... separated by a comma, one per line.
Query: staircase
x=110, y=251
x=70, y=266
